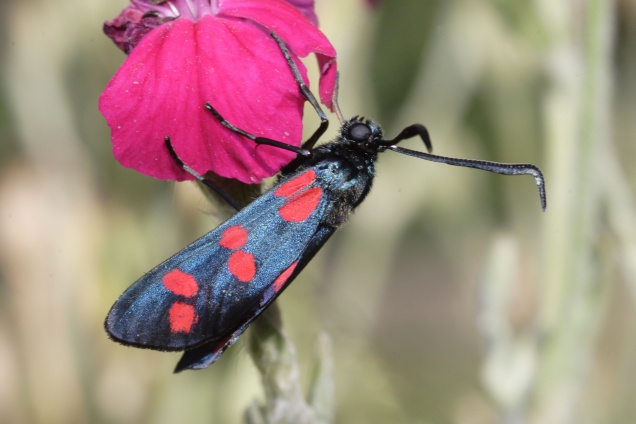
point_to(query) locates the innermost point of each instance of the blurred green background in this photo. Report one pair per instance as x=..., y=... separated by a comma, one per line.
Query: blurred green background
x=449, y=298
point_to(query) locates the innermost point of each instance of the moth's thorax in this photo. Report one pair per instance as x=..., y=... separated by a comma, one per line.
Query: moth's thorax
x=345, y=167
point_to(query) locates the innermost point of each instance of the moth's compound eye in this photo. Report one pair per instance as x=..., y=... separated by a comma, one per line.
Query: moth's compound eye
x=359, y=132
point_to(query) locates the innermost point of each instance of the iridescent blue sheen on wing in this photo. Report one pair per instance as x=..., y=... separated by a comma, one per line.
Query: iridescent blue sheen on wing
x=223, y=304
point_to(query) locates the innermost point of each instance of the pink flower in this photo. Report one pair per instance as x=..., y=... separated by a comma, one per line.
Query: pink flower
x=184, y=53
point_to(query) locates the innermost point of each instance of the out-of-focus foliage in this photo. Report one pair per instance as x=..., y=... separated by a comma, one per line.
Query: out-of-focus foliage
x=449, y=298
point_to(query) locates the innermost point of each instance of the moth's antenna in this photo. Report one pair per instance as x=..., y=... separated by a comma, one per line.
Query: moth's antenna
x=334, y=99
x=496, y=167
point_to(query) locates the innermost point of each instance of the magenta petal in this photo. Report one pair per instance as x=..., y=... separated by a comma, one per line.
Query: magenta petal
x=298, y=33
x=307, y=8
x=162, y=87
x=328, y=76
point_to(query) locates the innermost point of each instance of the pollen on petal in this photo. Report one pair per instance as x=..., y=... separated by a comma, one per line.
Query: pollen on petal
x=299, y=208
x=242, y=265
x=295, y=184
x=180, y=283
x=234, y=237
x=182, y=317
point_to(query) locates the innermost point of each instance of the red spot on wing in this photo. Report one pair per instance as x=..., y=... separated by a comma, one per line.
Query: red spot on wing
x=242, y=266
x=299, y=208
x=180, y=283
x=282, y=278
x=234, y=237
x=182, y=317
x=292, y=186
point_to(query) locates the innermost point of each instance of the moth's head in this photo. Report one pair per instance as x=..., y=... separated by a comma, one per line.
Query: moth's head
x=363, y=133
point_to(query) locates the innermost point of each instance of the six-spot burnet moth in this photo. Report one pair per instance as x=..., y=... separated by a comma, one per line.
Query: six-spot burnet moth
x=204, y=297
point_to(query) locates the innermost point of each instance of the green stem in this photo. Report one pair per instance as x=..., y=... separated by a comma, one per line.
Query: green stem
x=576, y=114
